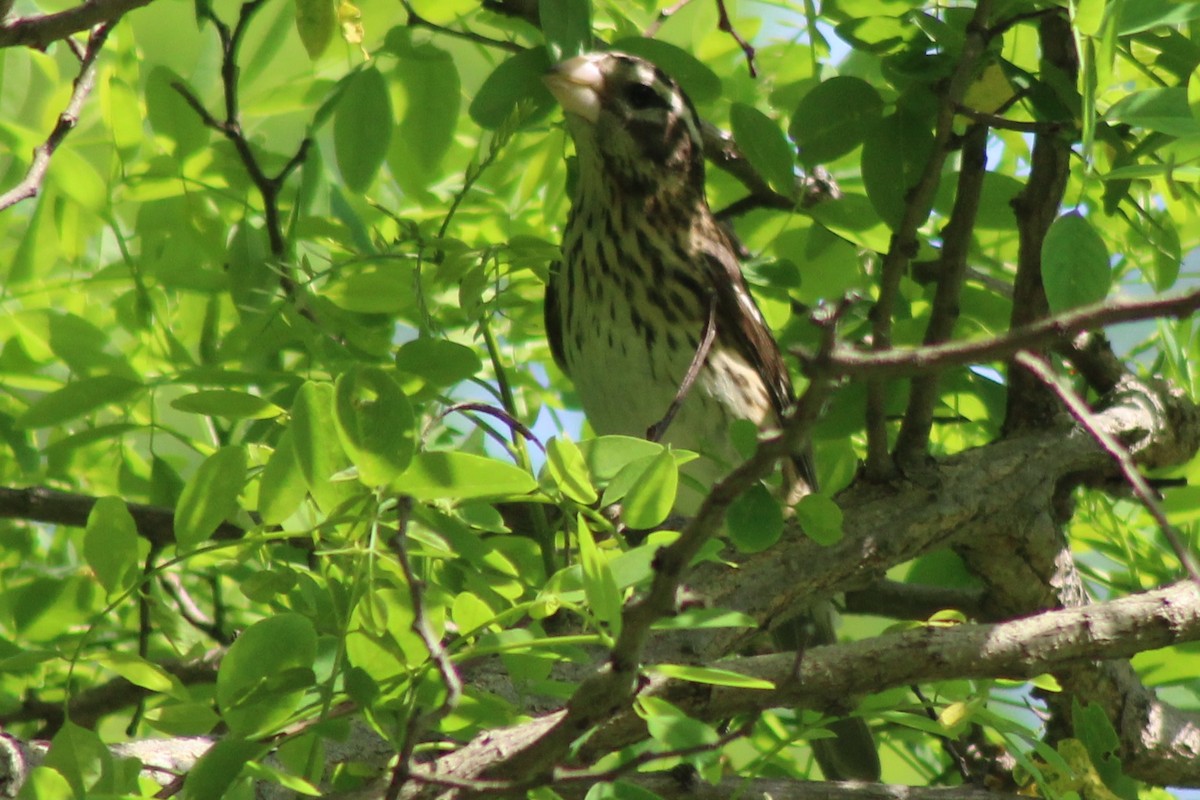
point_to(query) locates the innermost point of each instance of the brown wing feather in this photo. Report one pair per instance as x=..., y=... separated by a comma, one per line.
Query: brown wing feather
x=753, y=338
x=552, y=314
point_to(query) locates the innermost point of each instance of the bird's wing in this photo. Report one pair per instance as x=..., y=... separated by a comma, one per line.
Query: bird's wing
x=753, y=339
x=552, y=314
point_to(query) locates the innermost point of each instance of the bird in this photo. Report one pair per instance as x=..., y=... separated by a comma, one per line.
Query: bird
x=648, y=313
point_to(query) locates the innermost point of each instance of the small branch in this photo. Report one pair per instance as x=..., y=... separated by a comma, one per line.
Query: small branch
x=39, y=504
x=89, y=706
x=725, y=24
x=721, y=149
x=1046, y=332
x=39, y=32
x=1141, y=489
x=269, y=187
x=514, y=424
x=912, y=443
x=31, y=184
x=664, y=15
x=419, y=721
x=415, y=20
x=879, y=465
x=998, y=122
x=1028, y=402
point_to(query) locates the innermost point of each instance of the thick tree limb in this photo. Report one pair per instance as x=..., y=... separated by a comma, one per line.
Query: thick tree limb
x=1020, y=649
x=40, y=504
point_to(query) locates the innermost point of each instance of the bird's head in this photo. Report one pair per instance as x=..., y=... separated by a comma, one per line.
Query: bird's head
x=632, y=122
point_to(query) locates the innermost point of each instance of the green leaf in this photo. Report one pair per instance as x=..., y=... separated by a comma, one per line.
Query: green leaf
x=439, y=362
x=567, y=26
x=78, y=398
x=227, y=403
x=110, y=544
x=281, y=487
x=608, y=455
x=470, y=613
x=461, y=476
x=649, y=501
x=1163, y=110
x=566, y=466
x=765, y=146
x=316, y=22
x=81, y=757
x=375, y=423
x=519, y=78
x=217, y=769
x=170, y=115
x=211, y=496
x=137, y=671
x=598, y=582
x=371, y=291
x=1142, y=15
x=711, y=676
x=260, y=771
x=266, y=673
x=834, y=118
x=429, y=78
x=362, y=128
x=671, y=726
x=1095, y=730
x=183, y=719
x=820, y=519
x=893, y=157
x=317, y=446
x=1075, y=264
x=754, y=521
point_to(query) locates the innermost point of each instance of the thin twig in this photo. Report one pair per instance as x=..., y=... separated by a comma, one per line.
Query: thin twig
x=655, y=432
x=415, y=20
x=31, y=184
x=1041, y=370
x=419, y=721
x=664, y=15
x=725, y=24
x=514, y=424
x=1005, y=124
x=269, y=186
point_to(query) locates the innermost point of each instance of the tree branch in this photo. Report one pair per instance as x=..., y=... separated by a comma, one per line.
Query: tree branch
x=39, y=32
x=40, y=504
x=903, y=246
x=1042, y=333
x=913, y=439
x=1028, y=402
x=31, y=184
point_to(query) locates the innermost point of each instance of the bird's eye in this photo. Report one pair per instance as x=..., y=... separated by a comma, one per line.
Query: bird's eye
x=642, y=97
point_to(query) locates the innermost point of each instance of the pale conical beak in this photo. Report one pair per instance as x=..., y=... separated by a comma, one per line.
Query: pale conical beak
x=576, y=84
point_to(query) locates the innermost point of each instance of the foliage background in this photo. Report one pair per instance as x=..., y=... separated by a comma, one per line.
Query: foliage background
x=284, y=243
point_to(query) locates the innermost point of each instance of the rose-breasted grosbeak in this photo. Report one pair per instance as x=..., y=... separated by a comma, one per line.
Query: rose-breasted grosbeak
x=649, y=296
